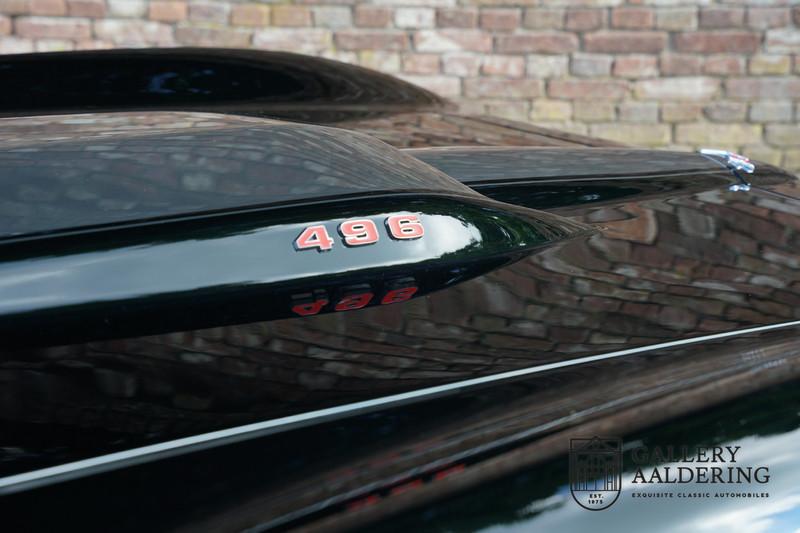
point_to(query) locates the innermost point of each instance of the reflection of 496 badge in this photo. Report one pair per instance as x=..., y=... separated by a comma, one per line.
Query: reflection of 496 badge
x=359, y=232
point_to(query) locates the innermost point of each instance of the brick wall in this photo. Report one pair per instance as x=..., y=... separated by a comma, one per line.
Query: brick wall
x=662, y=73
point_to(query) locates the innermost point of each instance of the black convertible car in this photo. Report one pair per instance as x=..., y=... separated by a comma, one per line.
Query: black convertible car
x=245, y=290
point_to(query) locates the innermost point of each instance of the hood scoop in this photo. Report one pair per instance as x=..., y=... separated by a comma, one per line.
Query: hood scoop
x=207, y=227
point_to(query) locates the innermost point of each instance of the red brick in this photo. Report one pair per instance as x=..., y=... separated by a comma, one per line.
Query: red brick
x=547, y=43
x=371, y=40
x=372, y=16
x=86, y=8
x=596, y=303
x=724, y=65
x=48, y=7
x=632, y=18
x=625, y=42
x=53, y=28
x=587, y=89
x=223, y=37
x=568, y=335
x=681, y=65
x=501, y=88
x=762, y=18
x=291, y=16
x=739, y=42
x=543, y=19
x=255, y=15
x=457, y=18
x=585, y=19
x=500, y=19
x=721, y=17
x=642, y=310
x=168, y=11
x=763, y=87
x=15, y=7
x=635, y=66
x=421, y=64
x=209, y=12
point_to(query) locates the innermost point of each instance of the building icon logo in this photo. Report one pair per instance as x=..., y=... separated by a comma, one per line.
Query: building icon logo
x=595, y=471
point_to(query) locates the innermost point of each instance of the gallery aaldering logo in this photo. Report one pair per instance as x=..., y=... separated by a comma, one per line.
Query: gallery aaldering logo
x=595, y=471
x=670, y=471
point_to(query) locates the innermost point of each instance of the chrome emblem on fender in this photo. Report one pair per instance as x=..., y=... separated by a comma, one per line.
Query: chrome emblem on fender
x=732, y=160
x=735, y=163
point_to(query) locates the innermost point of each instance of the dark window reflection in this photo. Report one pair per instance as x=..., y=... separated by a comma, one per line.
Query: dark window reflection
x=108, y=82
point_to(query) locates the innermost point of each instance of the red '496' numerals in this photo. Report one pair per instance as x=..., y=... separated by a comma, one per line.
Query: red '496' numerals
x=359, y=232
x=313, y=304
x=314, y=237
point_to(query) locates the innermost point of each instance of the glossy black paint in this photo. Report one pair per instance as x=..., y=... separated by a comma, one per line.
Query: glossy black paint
x=327, y=476
x=199, y=227
x=766, y=422
x=676, y=255
x=218, y=271
x=539, y=178
x=662, y=268
x=249, y=82
x=485, y=165
x=195, y=169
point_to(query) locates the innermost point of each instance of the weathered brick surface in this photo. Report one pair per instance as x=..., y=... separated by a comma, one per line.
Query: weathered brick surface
x=633, y=18
x=622, y=42
x=718, y=42
x=213, y=12
x=548, y=43
x=168, y=11
x=48, y=7
x=52, y=28
x=125, y=32
x=457, y=18
x=86, y=8
x=256, y=15
x=286, y=15
x=372, y=16
x=702, y=65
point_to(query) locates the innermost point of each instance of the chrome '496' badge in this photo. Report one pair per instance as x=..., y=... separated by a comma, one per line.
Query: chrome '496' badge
x=359, y=232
